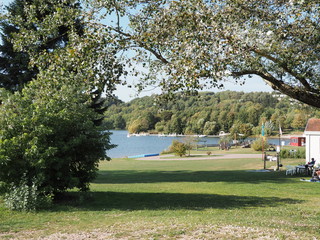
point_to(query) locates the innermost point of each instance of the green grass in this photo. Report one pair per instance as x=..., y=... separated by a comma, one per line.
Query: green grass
x=180, y=199
x=216, y=150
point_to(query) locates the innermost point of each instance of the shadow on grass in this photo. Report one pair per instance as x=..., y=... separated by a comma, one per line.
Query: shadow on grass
x=106, y=201
x=236, y=176
x=130, y=201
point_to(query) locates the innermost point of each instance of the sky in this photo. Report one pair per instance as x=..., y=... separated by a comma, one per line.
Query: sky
x=255, y=84
x=5, y=2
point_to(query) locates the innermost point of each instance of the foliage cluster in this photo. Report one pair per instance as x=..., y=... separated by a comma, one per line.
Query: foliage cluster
x=178, y=148
x=297, y=153
x=15, y=67
x=224, y=142
x=209, y=113
x=25, y=197
x=50, y=138
x=51, y=135
x=260, y=144
x=200, y=44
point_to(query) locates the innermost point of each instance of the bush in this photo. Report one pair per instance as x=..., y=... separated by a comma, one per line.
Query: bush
x=298, y=153
x=178, y=148
x=257, y=144
x=48, y=133
x=224, y=143
x=26, y=197
x=301, y=153
x=284, y=153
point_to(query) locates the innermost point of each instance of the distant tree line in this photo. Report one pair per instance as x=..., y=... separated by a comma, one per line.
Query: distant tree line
x=209, y=113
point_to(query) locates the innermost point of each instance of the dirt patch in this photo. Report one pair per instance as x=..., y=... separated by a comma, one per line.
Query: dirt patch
x=140, y=231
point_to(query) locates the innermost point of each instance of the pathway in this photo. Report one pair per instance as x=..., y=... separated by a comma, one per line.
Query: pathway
x=201, y=157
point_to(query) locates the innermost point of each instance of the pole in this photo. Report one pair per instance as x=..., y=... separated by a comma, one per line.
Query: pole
x=263, y=157
x=278, y=155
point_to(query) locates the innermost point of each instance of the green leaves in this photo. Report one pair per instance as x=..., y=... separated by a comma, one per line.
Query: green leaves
x=197, y=44
x=49, y=130
x=50, y=137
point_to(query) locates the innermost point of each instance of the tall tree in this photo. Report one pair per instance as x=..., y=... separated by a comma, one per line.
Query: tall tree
x=48, y=129
x=15, y=69
x=14, y=66
x=198, y=44
x=35, y=20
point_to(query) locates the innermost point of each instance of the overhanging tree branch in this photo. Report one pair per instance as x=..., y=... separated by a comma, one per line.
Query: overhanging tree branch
x=144, y=46
x=285, y=67
x=301, y=94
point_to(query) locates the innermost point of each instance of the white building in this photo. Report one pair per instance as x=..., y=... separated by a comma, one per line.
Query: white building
x=312, y=134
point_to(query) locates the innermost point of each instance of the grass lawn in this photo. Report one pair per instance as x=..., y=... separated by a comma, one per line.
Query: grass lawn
x=216, y=150
x=202, y=199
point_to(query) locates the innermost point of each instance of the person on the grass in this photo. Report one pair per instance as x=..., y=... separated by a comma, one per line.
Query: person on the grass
x=310, y=165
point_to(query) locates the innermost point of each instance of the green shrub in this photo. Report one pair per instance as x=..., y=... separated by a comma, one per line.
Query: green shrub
x=25, y=197
x=298, y=153
x=258, y=143
x=284, y=153
x=48, y=132
x=178, y=148
x=224, y=142
x=301, y=153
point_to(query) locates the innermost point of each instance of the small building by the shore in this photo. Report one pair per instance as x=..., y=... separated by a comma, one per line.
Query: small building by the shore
x=312, y=135
x=297, y=141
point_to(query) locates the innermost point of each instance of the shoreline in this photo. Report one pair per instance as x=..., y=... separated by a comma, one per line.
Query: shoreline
x=288, y=136
x=285, y=136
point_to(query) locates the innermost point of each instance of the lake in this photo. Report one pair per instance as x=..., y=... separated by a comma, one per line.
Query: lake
x=137, y=145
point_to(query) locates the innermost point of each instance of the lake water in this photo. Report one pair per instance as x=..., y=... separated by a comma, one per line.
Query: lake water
x=151, y=144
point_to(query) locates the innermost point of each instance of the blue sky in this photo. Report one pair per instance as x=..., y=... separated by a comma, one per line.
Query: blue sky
x=254, y=84
x=126, y=94
x=5, y=2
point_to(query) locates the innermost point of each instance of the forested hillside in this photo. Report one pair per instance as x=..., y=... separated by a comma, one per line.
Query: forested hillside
x=209, y=113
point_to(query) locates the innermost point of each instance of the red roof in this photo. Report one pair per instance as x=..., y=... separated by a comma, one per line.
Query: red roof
x=313, y=125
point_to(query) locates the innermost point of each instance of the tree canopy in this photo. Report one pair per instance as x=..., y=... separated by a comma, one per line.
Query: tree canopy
x=49, y=131
x=194, y=44
x=15, y=69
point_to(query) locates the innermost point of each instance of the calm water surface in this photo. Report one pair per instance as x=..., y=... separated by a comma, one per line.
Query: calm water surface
x=149, y=144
